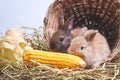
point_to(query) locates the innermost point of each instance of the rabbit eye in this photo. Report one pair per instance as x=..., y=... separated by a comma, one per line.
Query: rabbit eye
x=61, y=39
x=82, y=47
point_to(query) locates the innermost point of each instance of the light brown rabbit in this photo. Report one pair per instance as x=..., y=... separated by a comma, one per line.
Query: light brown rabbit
x=92, y=47
x=78, y=31
x=61, y=39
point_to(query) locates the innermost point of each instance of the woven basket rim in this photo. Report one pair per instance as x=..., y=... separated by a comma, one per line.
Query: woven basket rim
x=53, y=10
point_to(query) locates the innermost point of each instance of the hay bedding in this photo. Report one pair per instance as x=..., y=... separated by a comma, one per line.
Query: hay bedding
x=19, y=71
x=107, y=71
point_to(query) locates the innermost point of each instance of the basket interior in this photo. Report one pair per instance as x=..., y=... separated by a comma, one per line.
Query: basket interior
x=103, y=15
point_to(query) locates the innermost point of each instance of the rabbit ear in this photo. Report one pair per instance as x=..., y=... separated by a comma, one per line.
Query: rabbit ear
x=61, y=19
x=69, y=24
x=90, y=34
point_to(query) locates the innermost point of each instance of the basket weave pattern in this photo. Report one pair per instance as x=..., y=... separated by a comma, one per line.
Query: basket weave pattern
x=103, y=15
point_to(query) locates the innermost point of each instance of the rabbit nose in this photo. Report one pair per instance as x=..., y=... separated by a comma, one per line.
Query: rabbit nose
x=52, y=45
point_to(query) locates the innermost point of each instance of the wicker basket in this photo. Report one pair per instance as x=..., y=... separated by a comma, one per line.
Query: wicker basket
x=103, y=15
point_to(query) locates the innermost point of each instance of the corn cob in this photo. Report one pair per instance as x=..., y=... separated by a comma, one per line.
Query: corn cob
x=59, y=60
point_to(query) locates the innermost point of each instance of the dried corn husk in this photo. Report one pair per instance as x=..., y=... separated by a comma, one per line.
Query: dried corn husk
x=12, y=46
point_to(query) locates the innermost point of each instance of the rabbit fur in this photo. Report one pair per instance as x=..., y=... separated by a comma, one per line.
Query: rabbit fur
x=61, y=39
x=91, y=46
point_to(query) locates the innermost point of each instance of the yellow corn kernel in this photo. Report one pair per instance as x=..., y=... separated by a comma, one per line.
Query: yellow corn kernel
x=59, y=60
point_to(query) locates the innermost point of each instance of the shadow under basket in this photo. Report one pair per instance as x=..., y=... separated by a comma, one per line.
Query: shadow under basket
x=103, y=15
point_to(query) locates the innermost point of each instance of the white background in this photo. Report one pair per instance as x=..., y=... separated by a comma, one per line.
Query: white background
x=17, y=13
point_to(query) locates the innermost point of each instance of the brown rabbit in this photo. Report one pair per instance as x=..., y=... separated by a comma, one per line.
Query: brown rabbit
x=61, y=39
x=92, y=47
